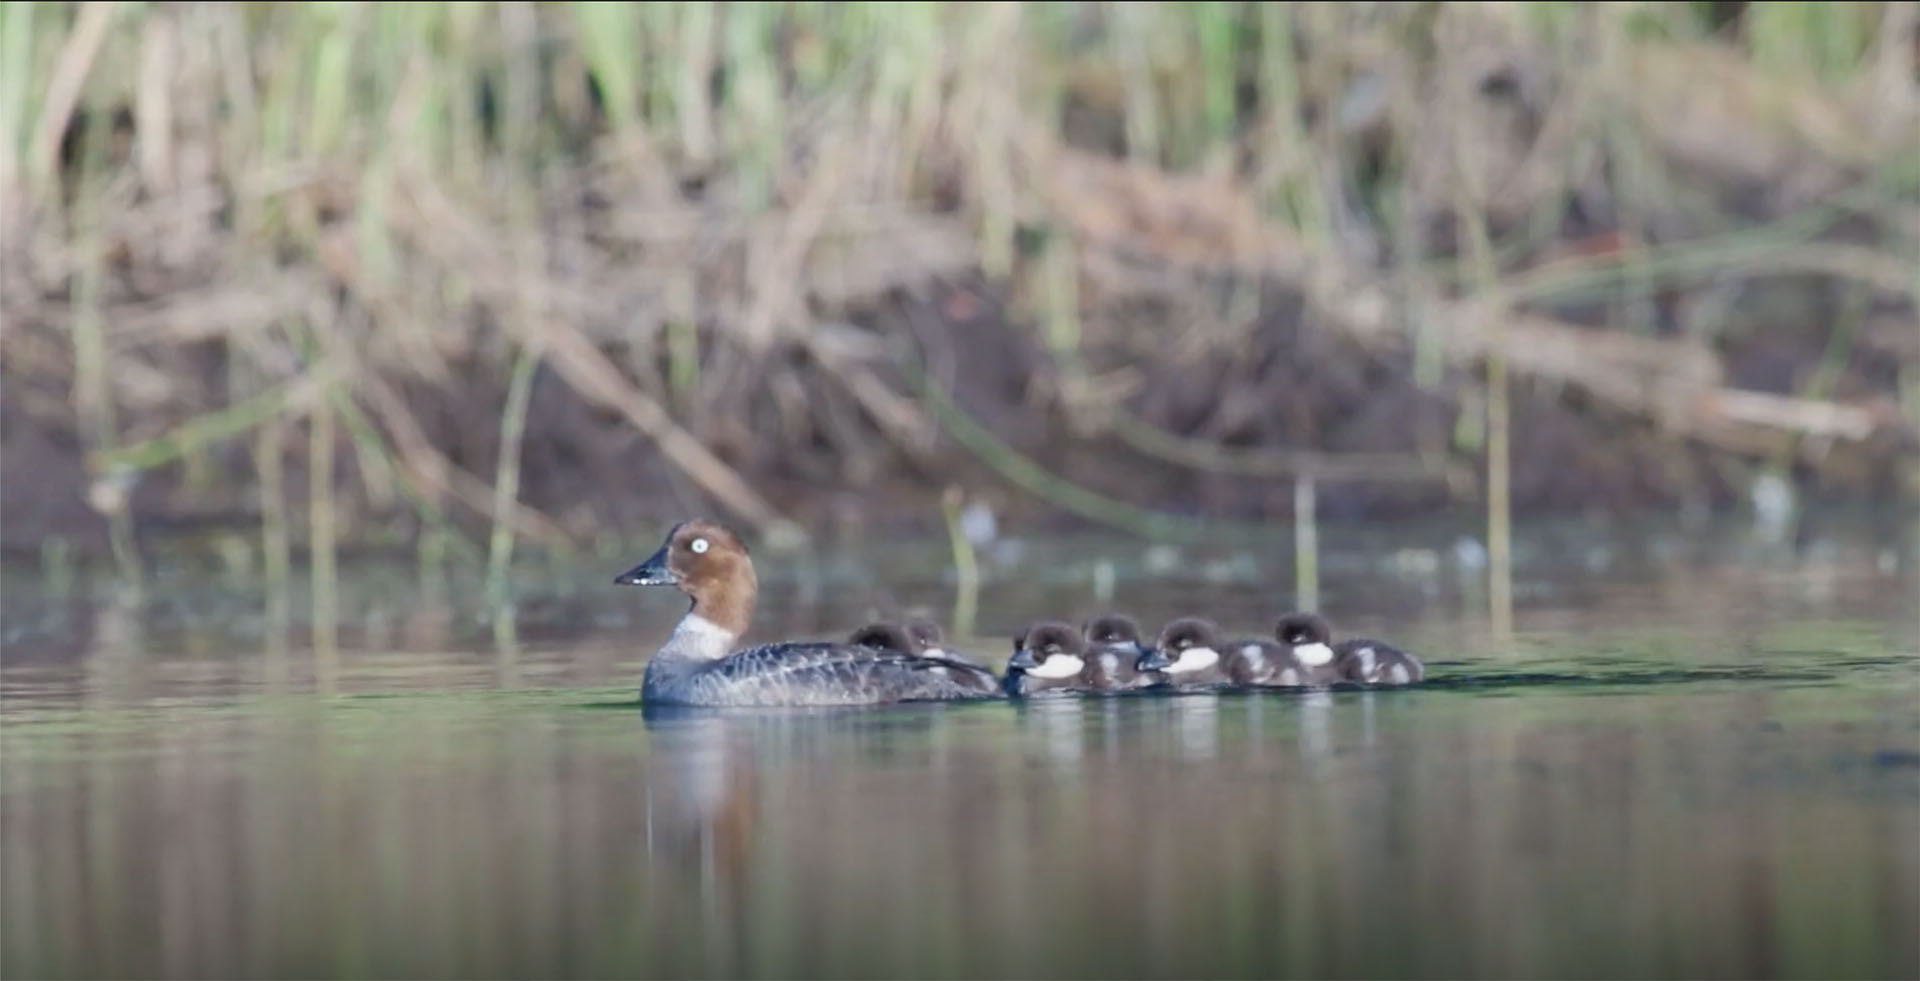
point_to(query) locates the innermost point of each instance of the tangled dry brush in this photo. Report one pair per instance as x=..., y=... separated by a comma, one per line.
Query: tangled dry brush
x=561, y=268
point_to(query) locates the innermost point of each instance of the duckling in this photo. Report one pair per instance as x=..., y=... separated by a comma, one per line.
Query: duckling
x=919, y=637
x=1050, y=657
x=930, y=642
x=1256, y=662
x=1114, y=647
x=884, y=635
x=1371, y=662
x=1189, y=654
x=1309, y=640
x=1358, y=660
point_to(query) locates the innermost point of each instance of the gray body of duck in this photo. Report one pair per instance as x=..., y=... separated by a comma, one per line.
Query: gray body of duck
x=698, y=665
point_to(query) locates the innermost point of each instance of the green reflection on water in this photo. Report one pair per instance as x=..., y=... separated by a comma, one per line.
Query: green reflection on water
x=1713, y=771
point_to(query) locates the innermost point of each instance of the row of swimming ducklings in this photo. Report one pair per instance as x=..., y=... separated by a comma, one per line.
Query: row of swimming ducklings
x=1108, y=655
x=700, y=665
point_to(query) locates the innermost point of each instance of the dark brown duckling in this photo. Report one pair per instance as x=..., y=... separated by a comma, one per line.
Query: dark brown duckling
x=919, y=637
x=1358, y=660
x=1256, y=662
x=1115, y=649
x=1049, y=657
x=928, y=641
x=1189, y=648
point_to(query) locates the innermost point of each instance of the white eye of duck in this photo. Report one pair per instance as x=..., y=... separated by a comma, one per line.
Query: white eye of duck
x=699, y=545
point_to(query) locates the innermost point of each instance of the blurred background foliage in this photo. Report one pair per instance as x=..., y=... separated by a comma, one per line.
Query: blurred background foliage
x=371, y=271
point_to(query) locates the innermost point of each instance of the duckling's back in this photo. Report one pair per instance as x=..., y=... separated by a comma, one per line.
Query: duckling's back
x=1371, y=662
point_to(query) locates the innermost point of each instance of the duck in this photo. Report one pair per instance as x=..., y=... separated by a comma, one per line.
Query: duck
x=1187, y=655
x=1050, y=657
x=699, y=665
x=1358, y=660
x=1113, y=645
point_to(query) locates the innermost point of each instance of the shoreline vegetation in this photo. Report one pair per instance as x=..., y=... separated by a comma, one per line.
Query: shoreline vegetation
x=512, y=273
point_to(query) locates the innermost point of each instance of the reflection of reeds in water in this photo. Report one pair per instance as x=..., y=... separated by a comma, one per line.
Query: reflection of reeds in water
x=320, y=545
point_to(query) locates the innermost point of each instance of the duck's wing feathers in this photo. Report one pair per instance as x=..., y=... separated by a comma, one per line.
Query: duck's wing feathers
x=839, y=674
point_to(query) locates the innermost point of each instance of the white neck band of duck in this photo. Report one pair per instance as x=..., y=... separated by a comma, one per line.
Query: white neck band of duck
x=700, y=638
x=1195, y=659
x=1313, y=655
x=1058, y=666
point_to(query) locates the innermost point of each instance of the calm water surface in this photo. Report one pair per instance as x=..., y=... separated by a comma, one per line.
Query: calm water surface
x=1698, y=755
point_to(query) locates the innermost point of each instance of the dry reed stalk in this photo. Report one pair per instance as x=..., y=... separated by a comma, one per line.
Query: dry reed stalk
x=1306, y=545
x=322, y=541
x=63, y=90
x=276, y=549
x=506, y=483
x=966, y=566
x=1470, y=215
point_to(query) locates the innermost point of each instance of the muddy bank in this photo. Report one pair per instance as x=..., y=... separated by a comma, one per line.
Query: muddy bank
x=793, y=429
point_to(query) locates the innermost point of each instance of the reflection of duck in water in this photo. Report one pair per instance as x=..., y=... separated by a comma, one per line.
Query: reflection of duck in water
x=711, y=776
x=1060, y=726
x=701, y=803
x=699, y=666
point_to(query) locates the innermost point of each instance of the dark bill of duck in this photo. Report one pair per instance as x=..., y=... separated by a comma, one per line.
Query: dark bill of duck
x=1153, y=659
x=655, y=571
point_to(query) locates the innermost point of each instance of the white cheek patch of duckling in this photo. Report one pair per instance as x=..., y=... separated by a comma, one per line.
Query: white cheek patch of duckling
x=1255, y=657
x=1313, y=655
x=1195, y=659
x=1058, y=666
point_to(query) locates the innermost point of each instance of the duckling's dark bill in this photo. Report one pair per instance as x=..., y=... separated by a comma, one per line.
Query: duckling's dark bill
x=652, y=572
